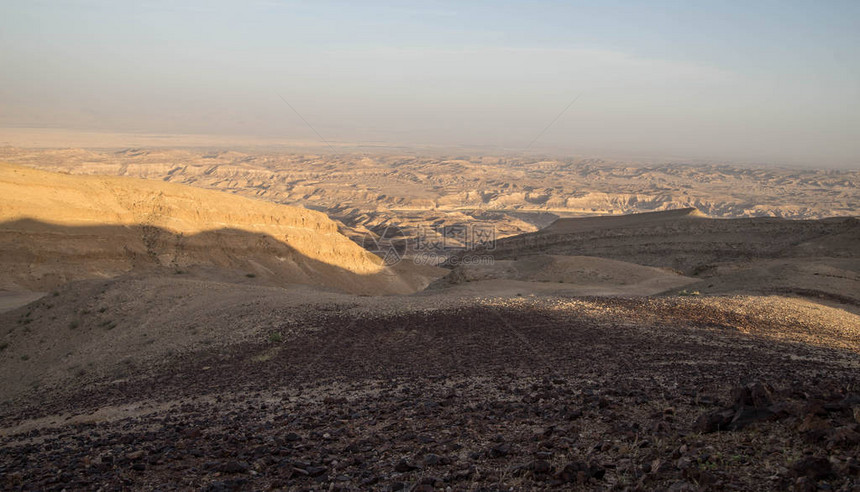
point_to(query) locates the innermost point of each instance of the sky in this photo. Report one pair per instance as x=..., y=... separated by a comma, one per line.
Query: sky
x=737, y=81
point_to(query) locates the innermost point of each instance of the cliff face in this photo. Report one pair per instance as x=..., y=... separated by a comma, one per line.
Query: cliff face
x=57, y=228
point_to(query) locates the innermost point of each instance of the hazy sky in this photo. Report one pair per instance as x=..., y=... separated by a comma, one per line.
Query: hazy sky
x=766, y=81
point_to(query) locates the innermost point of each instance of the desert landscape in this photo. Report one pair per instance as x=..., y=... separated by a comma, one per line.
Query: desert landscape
x=211, y=328
x=514, y=195
x=429, y=246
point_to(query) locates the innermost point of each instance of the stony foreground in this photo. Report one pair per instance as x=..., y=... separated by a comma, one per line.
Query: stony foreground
x=673, y=393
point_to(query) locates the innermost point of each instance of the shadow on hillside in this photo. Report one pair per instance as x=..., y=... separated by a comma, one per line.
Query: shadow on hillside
x=40, y=256
x=687, y=243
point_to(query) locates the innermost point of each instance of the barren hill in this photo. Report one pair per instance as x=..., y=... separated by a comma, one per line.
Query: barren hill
x=685, y=239
x=561, y=275
x=57, y=228
x=819, y=258
x=647, y=219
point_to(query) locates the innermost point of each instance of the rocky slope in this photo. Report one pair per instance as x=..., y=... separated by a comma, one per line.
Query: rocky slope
x=433, y=392
x=560, y=275
x=818, y=258
x=58, y=228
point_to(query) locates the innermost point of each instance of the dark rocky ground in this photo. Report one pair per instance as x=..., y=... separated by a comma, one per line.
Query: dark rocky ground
x=620, y=394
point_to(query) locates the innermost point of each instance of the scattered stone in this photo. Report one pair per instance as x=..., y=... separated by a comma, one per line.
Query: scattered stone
x=844, y=436
x=404, y=466
x=233, y=467
x=472, y=442
x=464, y=474
x=682, y=486
x=813, y=467
x=578, y=471
x=747, y=415
x=813, y=423
x=540, y=467
x=751, y=404
x=713, y=421
x=135, y=455
x=500, y=450
x=227, y=485
x=431, y=459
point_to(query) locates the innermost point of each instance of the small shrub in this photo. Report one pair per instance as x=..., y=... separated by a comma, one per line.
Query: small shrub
x=275, y=337
x=55, y=294
x=25, y=357
x=250, y=275
x=4, y=346
x=102, y=309
x=73, y=324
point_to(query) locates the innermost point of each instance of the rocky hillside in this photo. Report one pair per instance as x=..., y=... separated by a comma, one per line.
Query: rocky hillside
x=680, y=394
x=764, y=255
x=58, y=228
x=686, y=240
